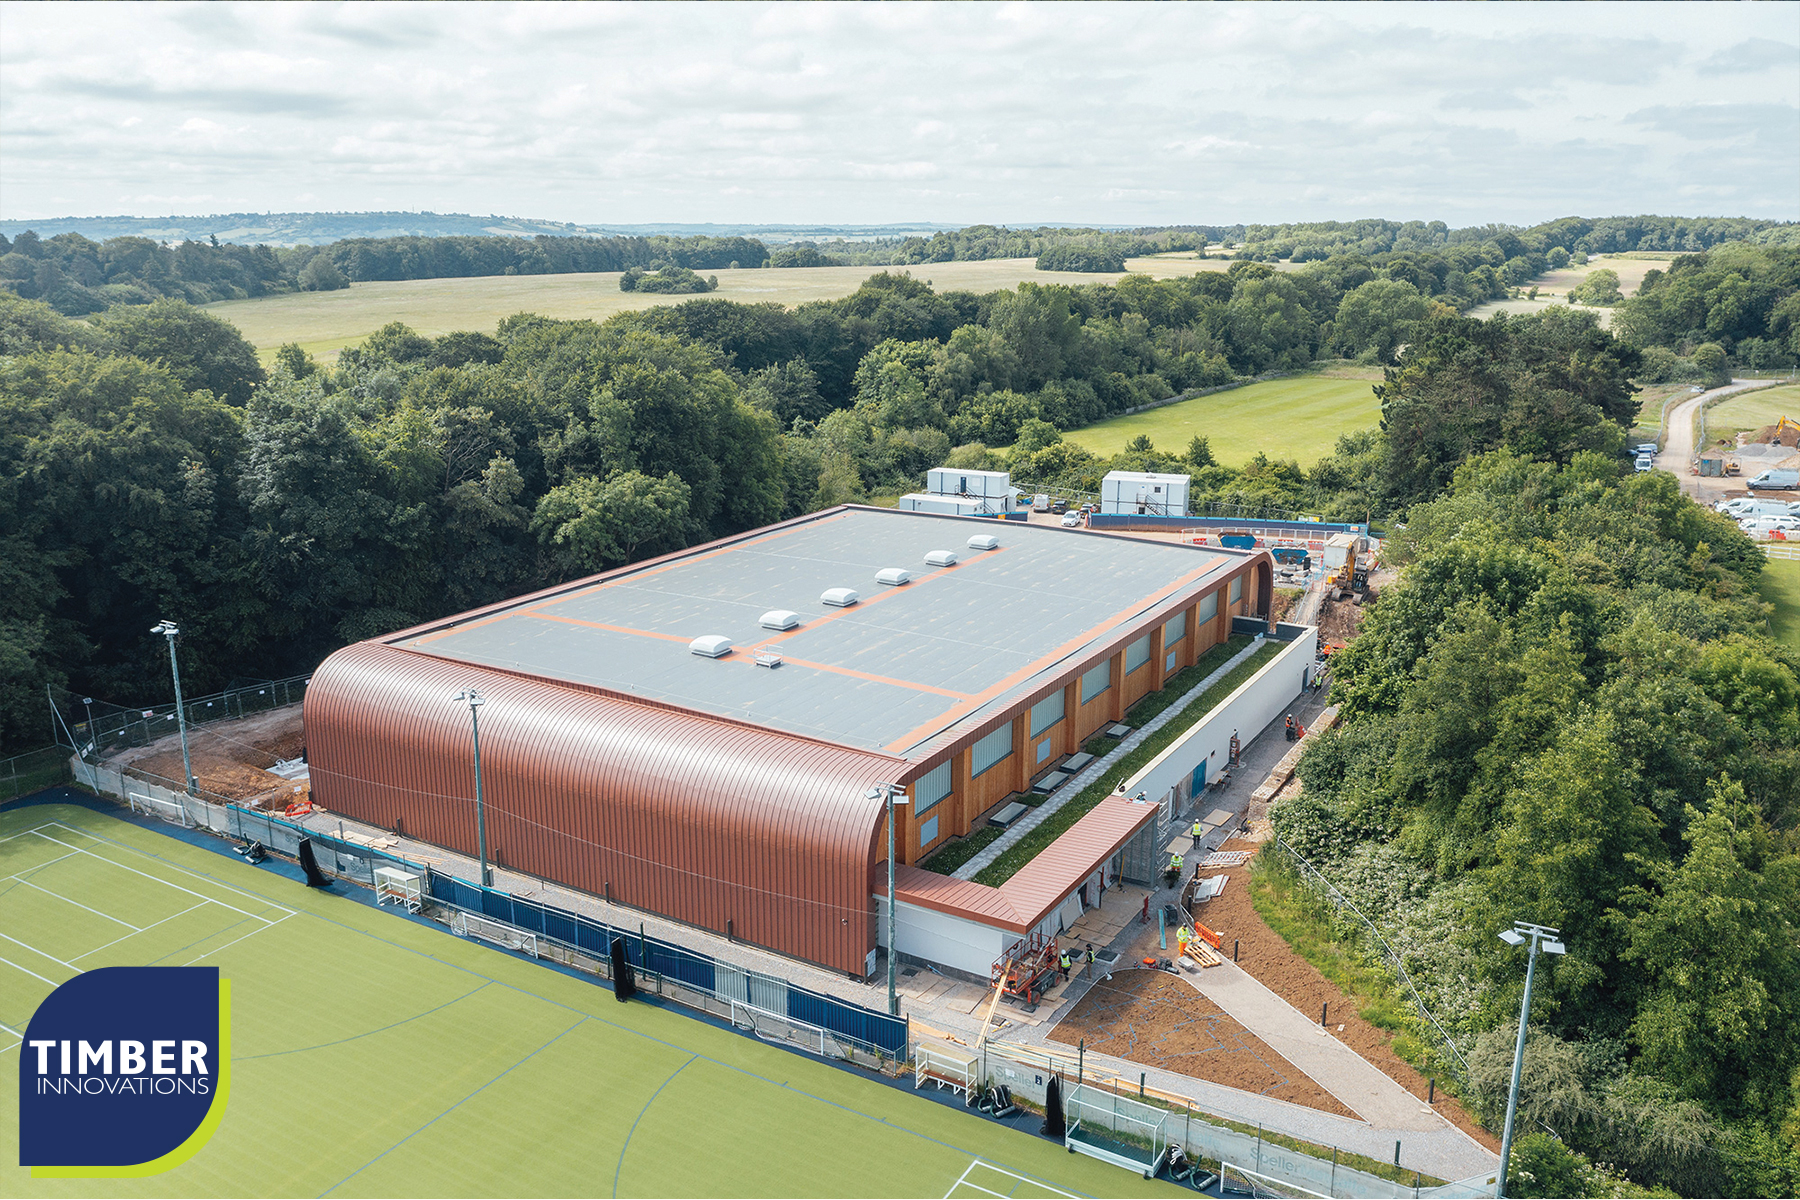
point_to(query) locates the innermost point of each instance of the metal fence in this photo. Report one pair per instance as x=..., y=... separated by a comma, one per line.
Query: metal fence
x=1325, y=889
x=33, y=771
x=103, y=728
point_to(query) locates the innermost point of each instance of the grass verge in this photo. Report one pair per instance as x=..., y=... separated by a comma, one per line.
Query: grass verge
x=1288, y=907
x=954, y=855
x=1055, y=825
x=1780, y=586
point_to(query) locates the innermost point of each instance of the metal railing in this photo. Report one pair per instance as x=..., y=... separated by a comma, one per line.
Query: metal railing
x=33, y=771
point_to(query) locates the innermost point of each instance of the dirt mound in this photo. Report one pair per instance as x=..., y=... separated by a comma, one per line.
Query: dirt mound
x=1785, y=433
x=1153, y=1018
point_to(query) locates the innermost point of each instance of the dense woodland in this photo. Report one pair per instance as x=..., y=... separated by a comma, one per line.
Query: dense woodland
x=1568, y=710
x=76, y=275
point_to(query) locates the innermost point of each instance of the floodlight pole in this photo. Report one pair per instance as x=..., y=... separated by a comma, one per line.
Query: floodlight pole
x=888, y=790
x=1518, y=935
x=474, y=700
x=169, y=630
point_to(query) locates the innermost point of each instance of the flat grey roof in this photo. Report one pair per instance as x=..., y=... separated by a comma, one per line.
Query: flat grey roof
x=892, y=673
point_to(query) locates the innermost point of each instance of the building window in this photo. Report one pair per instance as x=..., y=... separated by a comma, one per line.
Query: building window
x=927, y=832
x=1169, y=664
x=1209, y=607
x=931, y=787
x=1237, y=589
x=1137, y=654
x=995, y=748
x=1096, y=681
x=1046, y=712
x=1175, y=628
x=1044, y=748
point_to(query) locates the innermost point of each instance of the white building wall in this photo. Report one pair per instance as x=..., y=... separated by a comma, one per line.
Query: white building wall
x=1259, y=700
x=940, y=938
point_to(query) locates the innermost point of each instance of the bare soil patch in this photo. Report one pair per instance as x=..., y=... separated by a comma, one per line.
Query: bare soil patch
x=230, y=758
x=1264, y=954
x=1153, y=1018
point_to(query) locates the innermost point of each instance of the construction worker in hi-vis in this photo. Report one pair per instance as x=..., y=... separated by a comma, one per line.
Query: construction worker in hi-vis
x=1175, y=863
x=1062, y=964
x=1196, y=829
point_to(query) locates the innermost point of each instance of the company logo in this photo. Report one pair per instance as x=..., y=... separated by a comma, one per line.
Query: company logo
x=124, y=1072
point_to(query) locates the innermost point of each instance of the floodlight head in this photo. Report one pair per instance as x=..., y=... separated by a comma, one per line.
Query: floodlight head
x=1512, y=937
x=873, y=793
x=887, y=791
x=166, y=628
x=468, y=696
x=1549, y=946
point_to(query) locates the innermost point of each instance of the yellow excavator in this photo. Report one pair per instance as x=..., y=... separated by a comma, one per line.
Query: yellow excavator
x=1346, y=564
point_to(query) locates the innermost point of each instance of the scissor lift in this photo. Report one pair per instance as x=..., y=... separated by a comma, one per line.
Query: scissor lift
x=1027, y=970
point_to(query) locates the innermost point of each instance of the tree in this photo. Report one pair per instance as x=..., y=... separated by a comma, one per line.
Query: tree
x=1709, y=357
x=320, y=274
x=1715, y=936
x=1199, y=453
x=1377, y=317
x=197, y=348
x=592, y=524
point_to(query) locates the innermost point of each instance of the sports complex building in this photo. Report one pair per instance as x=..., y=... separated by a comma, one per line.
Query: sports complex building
x=697, y=735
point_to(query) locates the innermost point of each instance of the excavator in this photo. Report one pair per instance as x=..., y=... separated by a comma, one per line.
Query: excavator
x=1346, y=565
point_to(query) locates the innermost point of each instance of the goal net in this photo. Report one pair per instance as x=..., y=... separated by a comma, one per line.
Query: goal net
x=168, y=810
x=772, y=1028
x=497, y=932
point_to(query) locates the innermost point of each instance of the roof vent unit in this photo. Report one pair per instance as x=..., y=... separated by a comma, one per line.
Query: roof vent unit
x=839, y=598
x=893, y=576
x=941, y=558
x=713, y=645
x=780, y=618
x=984, y=541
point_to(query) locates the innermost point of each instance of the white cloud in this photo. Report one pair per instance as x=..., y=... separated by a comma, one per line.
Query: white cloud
x=1117, y=113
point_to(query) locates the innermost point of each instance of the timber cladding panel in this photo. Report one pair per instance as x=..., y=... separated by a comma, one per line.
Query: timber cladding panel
x=700, y=819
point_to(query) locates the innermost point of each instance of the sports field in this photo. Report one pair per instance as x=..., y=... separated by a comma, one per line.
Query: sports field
x=325, y=322
x=373, y=1055
x=1753, y=410
x=1299, y=418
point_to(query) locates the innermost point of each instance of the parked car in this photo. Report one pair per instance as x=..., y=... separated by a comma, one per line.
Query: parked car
x=1746, y=507
x=1643, y=448
x=1646, y=463
x=1762, y=527
x=1071, y=520
x=1059, y=507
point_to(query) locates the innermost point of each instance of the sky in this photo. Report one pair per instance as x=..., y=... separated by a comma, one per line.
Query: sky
x=1008, y=113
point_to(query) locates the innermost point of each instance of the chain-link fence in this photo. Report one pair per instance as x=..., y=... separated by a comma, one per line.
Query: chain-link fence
x=102, y=728
x=33, y=771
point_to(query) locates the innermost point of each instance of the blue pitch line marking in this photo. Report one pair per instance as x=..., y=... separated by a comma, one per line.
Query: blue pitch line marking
x=358, y=1036
x=652, y=1100
x=523, y=991
x=427, y=1125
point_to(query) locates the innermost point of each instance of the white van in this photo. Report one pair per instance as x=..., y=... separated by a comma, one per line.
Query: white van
x=1746, y=508
x=1762, y=527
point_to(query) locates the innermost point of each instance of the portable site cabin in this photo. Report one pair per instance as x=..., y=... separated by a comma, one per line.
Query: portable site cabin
x=1144, y=494
x=992, y=490
x=955, y=506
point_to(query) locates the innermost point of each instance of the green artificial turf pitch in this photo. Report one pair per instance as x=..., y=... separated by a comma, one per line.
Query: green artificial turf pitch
x=376, y=1055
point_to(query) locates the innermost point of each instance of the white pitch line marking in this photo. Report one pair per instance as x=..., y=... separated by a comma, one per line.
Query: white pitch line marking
x=79, y=904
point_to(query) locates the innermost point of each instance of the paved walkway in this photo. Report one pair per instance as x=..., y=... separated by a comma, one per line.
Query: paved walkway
x=1097, y=768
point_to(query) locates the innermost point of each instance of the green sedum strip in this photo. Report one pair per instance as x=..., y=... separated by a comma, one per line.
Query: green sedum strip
x=1034, y=843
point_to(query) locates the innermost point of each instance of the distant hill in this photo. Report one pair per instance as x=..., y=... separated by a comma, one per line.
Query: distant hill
x=320, y=228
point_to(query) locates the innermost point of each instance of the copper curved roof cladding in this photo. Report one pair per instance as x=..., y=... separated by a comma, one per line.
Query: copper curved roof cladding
x=702, y=819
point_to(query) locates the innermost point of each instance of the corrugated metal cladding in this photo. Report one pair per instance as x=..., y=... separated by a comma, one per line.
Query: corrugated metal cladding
x=701, y=819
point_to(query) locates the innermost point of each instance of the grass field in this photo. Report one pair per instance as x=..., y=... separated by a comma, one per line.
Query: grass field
x=372, y=1055
x=1554, y=285
x=325, y=322
x=1753, y=410
x=1780, y=586
x=1299, y=418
